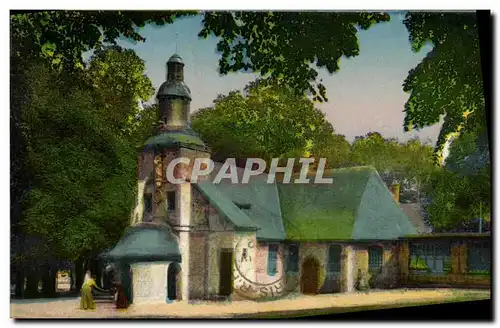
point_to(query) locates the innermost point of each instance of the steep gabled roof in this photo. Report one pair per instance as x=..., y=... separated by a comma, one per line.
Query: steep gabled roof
x=323, y=211
x=225, y=206
x=357, y=206
x=261, y=202
x=379, y=216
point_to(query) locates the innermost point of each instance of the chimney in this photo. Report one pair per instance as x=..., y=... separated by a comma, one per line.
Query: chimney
x=279, y=177
x=395, y=192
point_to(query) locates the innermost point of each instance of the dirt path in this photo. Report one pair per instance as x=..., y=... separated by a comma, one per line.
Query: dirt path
x=331, y=302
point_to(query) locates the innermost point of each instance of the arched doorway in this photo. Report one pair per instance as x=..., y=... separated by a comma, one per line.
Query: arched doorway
x=173, y=276
x=309, y=276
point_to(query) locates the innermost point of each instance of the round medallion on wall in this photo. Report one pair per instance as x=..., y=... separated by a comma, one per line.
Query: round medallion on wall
x=246, y=283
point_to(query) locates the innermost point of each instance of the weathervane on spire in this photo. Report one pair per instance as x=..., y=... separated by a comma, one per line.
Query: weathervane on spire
x=176, y=41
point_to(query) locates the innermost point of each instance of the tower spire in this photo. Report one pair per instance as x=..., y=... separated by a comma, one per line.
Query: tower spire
x=174, y=97
x=176, y=42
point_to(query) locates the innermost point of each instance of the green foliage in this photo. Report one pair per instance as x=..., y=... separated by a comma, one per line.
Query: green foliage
x=460, y=193
x=267, y=121
x=287, y=45
x=144, y=124
x=448, y=81
x=283, y=45
x=479, y=273
x=418, y=264
x=62, y=36
x=410, y=163
x=333, y=147
x=83, y=189
x=374, y=150
x=120, y=83
x=75, y=130
x=458, y=199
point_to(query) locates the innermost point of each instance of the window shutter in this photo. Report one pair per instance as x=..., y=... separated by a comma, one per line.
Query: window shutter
x=334, y=252
x=293, y=258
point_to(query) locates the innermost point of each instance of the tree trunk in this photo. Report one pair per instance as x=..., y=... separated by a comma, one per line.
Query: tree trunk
x=49, y=282
x=79, y=274
x=98, y=272
x=72, y=279
x=19, y=283
x=32, y=280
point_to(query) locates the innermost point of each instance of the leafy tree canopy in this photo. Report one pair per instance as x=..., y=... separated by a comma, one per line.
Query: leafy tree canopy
x=448, y=82
x=409, y=163
x=83, y=186
x=120, y=83
x=267, y=120
x=289, y=46
x=461, y=190
x=63, y=36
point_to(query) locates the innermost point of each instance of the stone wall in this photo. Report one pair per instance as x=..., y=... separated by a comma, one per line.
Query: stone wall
x=261, y=269
x=221, y=236
x=149, y=283
x=353, y=261
x=144, y=171
x=216, y=242
x=198, y=264
x=327, y=282
x=389, y=275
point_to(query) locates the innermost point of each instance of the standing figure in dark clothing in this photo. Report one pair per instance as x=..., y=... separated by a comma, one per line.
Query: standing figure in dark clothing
x=121, y=301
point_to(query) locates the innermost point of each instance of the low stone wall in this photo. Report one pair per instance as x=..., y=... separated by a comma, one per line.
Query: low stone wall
x=149, y=282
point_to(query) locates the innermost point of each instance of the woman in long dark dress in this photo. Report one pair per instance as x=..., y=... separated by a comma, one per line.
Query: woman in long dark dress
x=121, y=300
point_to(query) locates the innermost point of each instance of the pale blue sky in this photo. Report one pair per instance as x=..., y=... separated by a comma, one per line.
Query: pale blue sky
x=365, y=95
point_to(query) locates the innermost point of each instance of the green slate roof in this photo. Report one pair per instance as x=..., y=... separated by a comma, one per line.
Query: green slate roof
x=357, y=206
x=174, y=138
x=146, y=243
x=224, y=205
x=263, y=199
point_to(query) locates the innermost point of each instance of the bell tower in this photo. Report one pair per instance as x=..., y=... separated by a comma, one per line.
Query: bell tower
x=162, y=202
x=174, y=97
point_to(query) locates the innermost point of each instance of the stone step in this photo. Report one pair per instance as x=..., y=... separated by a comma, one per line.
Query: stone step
x=103, y=297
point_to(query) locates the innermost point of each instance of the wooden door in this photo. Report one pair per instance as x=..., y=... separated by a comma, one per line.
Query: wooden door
x=309, y=276
x=226, y=273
